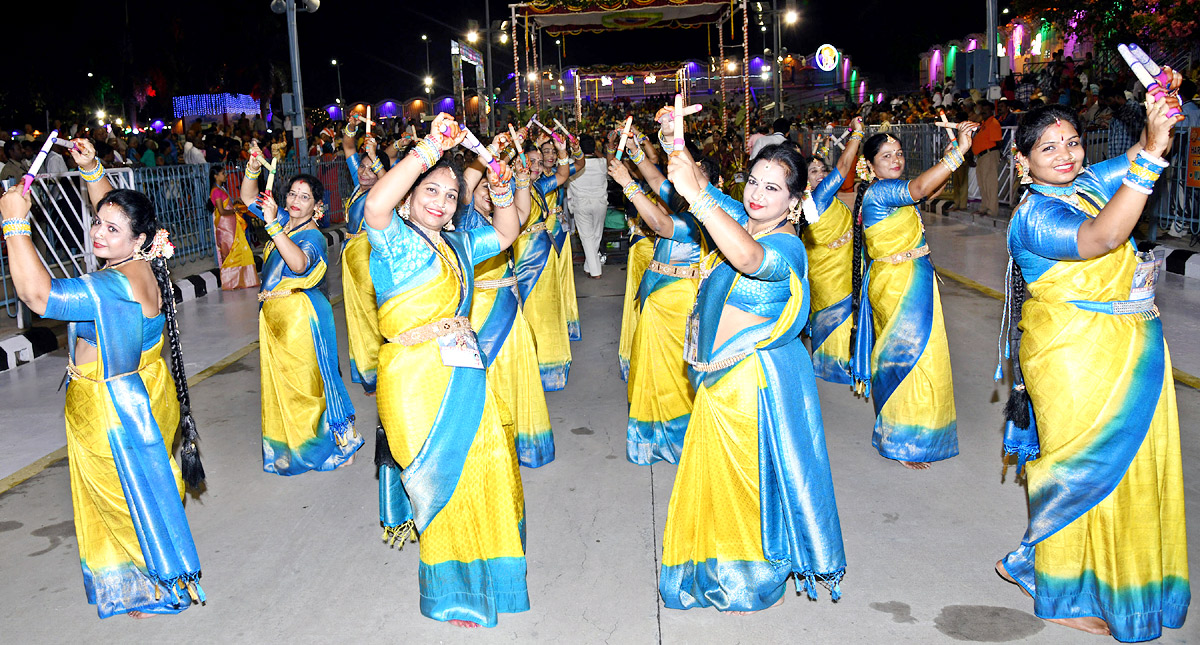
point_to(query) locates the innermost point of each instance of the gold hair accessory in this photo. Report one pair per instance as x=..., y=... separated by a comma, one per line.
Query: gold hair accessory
x=160, y=247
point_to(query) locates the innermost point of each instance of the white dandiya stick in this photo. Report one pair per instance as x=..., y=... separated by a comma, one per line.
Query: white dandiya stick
x=945, y=123
x=471, y=142
x=679, y=142
x=38, y=161
x=368, y=119
x=69, y=144
x=564, y=130
x=553, y=135
x=1153, y=77
x=624, y=136
x=518, y=144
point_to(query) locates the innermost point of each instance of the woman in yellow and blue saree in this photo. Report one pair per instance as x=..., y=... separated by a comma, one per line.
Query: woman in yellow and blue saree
x=447, y=465
x=827, y=242
x=553, y=201
x=901, y=356
x=1106, y=547
x=123, y=408
x=358, y=295
x=307, y=415
x=505, y=340
x=659, y=392
x=641, y=253
x=538, y=280
x=753, y=502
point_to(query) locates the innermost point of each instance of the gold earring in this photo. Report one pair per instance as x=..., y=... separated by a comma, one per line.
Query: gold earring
x=795, y=212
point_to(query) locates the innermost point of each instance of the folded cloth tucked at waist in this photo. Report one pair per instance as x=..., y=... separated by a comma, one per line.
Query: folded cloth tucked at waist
x=1119, y=307
x=690, y=271
x=430, y=331
x=905, y=256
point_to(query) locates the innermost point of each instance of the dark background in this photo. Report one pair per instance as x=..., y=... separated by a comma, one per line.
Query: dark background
x=153, y=50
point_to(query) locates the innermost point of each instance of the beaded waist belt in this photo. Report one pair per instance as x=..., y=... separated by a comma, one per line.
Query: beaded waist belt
x=714, y=366
x=496, y=284
x=906, y=256
x=841, y=241
x=264, y=296
x=351, y=236
x=435, y=329
x=1119, y=307
x=540, y=226
x=74, y=372
x=690, y=272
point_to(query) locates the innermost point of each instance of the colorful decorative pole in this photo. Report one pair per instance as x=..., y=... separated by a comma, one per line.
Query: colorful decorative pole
x=745, y=77
x=516, y=59
x=721, y=70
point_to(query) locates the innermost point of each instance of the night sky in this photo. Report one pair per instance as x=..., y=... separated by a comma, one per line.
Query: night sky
x=225, y=45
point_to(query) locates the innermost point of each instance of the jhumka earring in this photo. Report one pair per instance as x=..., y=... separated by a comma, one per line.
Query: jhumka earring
x=1022, y=168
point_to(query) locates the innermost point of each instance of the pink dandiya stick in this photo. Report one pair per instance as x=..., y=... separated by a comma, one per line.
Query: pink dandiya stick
x=37, y=162
x=553, y=135
x=679, y=142
x=1153, y=78
x=518, y=144
x=624, y=136
x=565, y=131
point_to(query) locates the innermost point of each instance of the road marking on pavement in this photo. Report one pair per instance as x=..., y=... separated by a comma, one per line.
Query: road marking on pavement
x=1180, y=375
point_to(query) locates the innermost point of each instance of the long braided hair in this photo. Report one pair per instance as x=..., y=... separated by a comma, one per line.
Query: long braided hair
x=140, y=211
x=858, y=260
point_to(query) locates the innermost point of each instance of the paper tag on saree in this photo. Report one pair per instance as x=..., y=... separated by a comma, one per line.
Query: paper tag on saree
x=691, y=333
x=1145, y=277
x=460, y=349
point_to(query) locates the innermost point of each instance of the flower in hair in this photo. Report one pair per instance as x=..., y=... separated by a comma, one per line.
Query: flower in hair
x=161, y=247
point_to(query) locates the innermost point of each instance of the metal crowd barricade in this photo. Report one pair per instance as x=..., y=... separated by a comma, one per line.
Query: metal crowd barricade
x=334, y=176
x=180, y=197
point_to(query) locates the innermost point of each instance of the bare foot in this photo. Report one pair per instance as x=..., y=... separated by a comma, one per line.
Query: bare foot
x=1089, y=624
x=1003, y=573
x=747, y=613
x=463, y=623
x=915, y=465
x=140, y=615
x=349, y=461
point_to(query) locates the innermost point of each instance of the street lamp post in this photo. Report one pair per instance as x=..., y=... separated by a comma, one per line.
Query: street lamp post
x=341, y=98
x=425, y=39
x=289, y=7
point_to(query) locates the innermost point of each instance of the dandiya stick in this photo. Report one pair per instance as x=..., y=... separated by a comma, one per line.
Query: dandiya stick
x=565, y=131
x=38, y=161
x=1153, y=77
x=679, y=142
x=518, y=144
x=471, y=142
x=368, y=120
x=945, y=123
x=624, y=136
x=553, y=135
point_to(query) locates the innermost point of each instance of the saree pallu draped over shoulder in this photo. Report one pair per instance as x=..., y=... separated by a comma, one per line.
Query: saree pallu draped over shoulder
x=753, y=501
x=1107, y=533
x=453, y=475
x=901, y=348
x=307, y=416
x=135, y=545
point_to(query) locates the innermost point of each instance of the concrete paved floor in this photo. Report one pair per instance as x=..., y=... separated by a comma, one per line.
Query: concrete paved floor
x=300, y=559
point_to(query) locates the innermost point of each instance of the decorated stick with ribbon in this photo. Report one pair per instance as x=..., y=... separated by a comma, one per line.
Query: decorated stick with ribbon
x=518, y=144
x=624, y=136
x=38, y=161
x=565, y=131
x=1148, y=72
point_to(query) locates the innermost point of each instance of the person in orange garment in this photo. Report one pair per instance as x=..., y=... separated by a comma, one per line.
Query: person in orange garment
x=986, y=148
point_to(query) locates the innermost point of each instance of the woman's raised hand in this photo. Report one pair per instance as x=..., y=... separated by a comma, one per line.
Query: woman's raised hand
x=447, y=130
x=619, y=172
x=856, y=124
x=255, y=161
x=269, y=208
x=966, y=134
x=681, y=170
x=16, y=203
x=1160, y=128
x=503, y=177
x=84, y=153
x=370, y=145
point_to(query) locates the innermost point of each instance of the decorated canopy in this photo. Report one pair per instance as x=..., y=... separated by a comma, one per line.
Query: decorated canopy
x=558, y=17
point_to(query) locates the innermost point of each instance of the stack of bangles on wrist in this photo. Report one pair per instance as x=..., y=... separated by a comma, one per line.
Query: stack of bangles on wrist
x=377, y=166
x=857, y=135
x=668, y=145
x=274, y=228
x=94, y=175
x=563, y=161
x=17, y=226
x=250, y=174
x=1143, y=172
x=631, y=190
x=350, y=132
x=953, y=159
x=637, y=156
x=502, y=196
x=577, y=154
x=704, y=206
x=427, y=151
x=522, y=182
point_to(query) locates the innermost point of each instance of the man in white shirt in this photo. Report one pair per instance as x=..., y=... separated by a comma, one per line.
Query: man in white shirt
x=587, y=198
x=778, y=135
